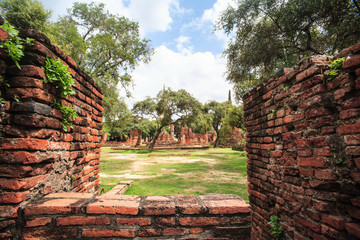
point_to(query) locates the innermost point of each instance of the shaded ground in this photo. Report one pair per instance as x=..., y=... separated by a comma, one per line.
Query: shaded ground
x=171, y=172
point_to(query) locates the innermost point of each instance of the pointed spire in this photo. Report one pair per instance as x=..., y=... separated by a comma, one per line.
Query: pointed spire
x=229, y=96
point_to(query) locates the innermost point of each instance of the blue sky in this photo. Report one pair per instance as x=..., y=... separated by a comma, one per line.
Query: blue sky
x=188, y=54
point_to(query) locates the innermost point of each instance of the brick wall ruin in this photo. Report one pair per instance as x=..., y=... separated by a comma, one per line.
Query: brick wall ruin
x=49, y=178
x=303, y=145
x=79, y=216
x=36, y=156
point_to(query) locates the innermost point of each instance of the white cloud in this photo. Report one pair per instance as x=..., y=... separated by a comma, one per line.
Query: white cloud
x=180, y=46
x=200, y=73
x=210, y=17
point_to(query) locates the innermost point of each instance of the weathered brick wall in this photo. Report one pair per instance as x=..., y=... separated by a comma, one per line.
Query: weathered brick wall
x=36, y=156
x=303, y=144
x=83, y=215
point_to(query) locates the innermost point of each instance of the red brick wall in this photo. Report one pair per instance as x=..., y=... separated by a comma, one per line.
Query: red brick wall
x=37, y=157
x=78, y=216
x=303, y=144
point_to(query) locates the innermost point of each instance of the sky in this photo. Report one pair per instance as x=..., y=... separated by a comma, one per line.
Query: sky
x=188, y=53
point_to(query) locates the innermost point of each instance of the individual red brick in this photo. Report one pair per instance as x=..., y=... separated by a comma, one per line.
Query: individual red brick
x=28, y=71
x=227, y=206
x=316, y=142
x=352, y=139
x=3, y=35
x=353, y=61
x=8, y=211
x=314, y=226
x=325, y=174
x=133, y=221
x=21, y=184
x=311, y=101
x=327, y=231
x=189, y=204
x=41, y=221
x=50, y=234
x=113, y=207
x=355, y=176
x=196, y=230
x=55, y=206
x=351, y=103
x=338, y=222
x=307, y=73
x=80, y=220
x=353, y=229
x=312, y=162
x=201, y=221
x=34, y=94
x=93, y=233
x=349, y=128
x=315, y=112
x=13, y=197
x=159, y=205
x=174, y=231
x=326, y=151
x=149, y=232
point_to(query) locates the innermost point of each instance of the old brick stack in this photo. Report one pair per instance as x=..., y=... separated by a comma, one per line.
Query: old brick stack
x=84, y=215
x=36, y=156
x=303, y=146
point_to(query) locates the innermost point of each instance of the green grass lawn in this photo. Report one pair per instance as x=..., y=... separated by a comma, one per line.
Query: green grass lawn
x=172, y=172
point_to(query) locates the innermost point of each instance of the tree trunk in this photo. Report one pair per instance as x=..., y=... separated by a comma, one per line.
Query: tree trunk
x=217, y=139
x=152, y=144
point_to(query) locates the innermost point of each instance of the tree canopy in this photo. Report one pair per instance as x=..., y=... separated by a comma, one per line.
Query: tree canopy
x=26, y=14
x=271, y=34
x=168, y=107
x=107, y=46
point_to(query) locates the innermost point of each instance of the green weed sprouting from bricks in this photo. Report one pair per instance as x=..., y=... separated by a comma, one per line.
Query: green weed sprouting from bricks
x=13, y=45
x=276, y=229
x=273, y=113
x=57, y=73
x=341, y=161
x=68, y=116
x=336, y=65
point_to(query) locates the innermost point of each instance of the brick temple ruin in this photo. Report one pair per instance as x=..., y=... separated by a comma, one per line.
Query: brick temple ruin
x=303, y=144
x=188, y=139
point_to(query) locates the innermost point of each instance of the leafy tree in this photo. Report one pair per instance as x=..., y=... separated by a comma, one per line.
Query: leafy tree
x=273, y=34
x=107, y=46
x=26, y=14
x=117, y=119
x=217, y=112
x=168, y=107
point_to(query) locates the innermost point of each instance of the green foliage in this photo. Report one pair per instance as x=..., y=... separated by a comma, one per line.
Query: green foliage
x=68, y=115
x=14, y=45
x=107, y=46
x=26, y=14
x=16, y=98
x=168, y=107
x=276, y=229
x=336, y=65
x=57, y=73
x=286, y=88
x=273, y=34
x=341, y=161
x=273, y=113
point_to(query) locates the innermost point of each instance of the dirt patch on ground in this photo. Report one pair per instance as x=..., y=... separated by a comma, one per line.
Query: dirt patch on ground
x=138, y=168
x=169, y=155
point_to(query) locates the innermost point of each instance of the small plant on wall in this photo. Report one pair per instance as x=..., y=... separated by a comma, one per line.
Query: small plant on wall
x=13, y=45
x=57, y=73
x=276, y=229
